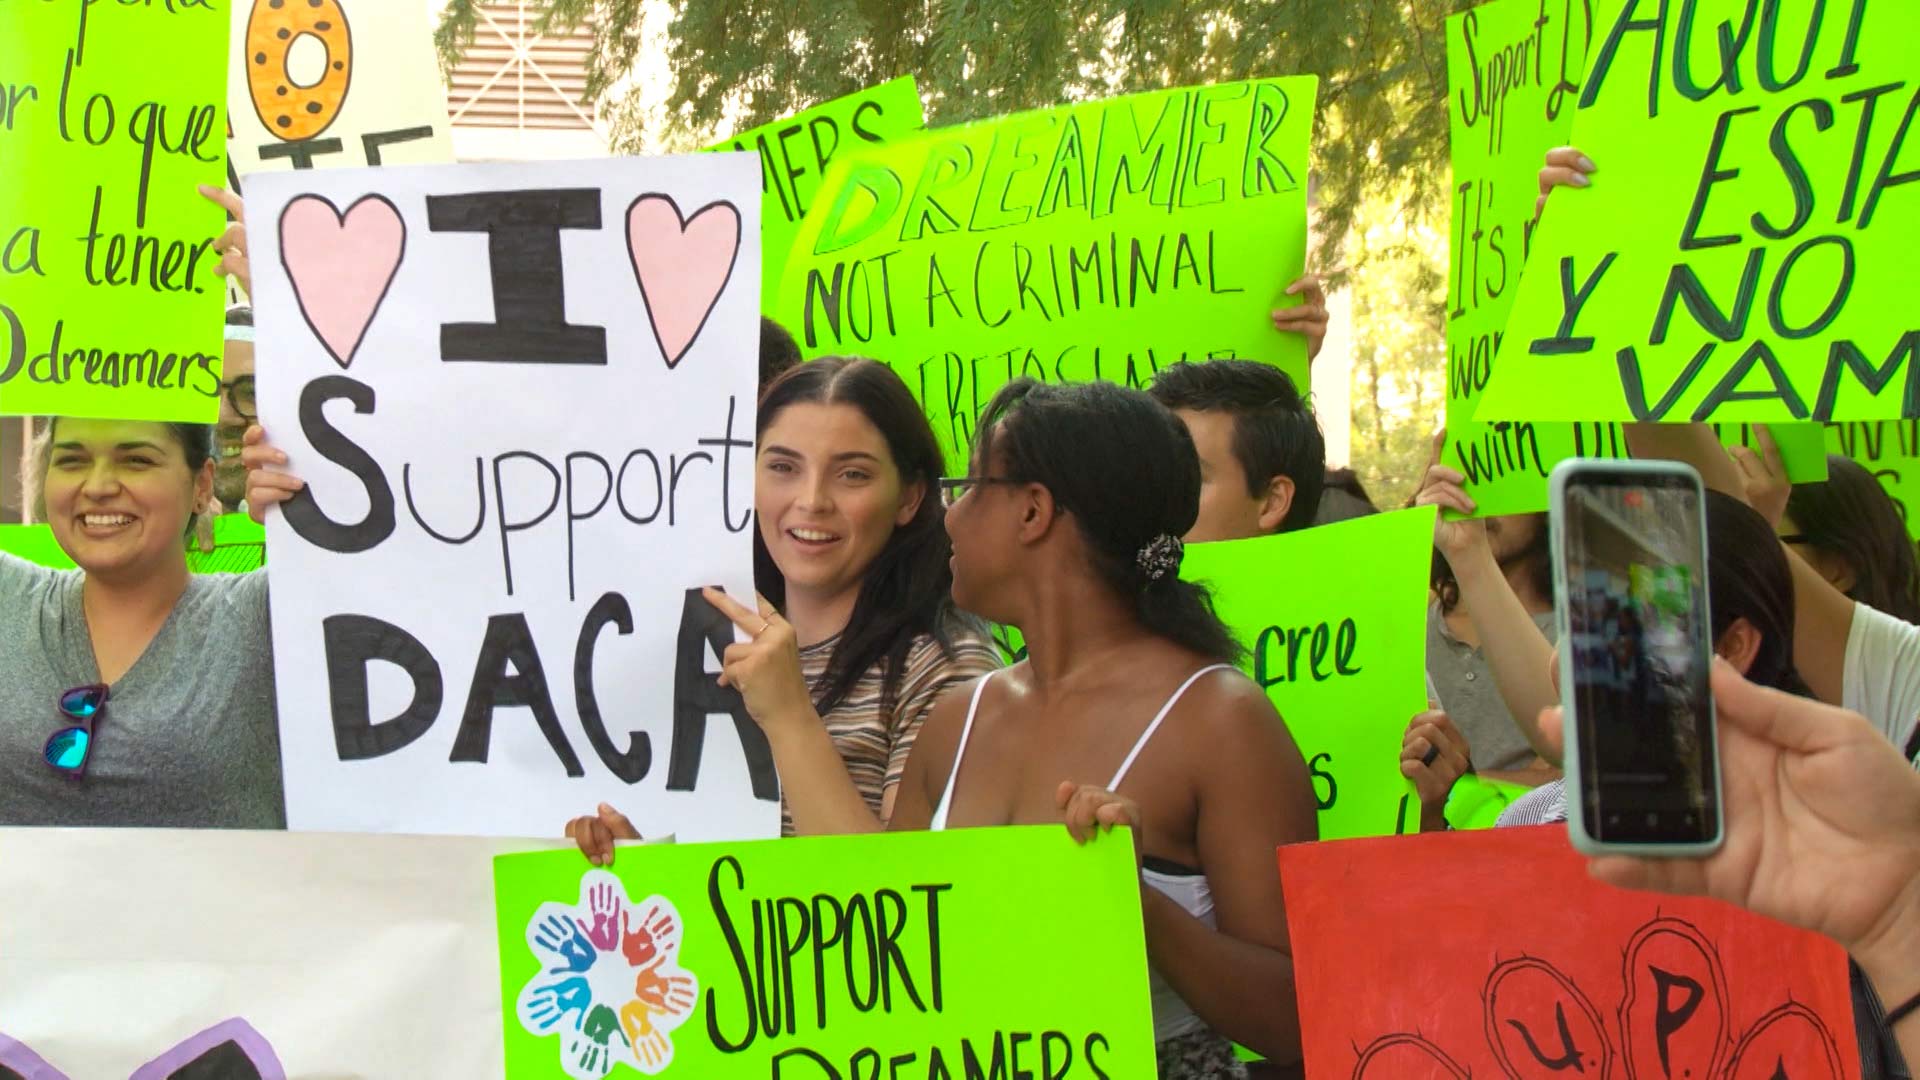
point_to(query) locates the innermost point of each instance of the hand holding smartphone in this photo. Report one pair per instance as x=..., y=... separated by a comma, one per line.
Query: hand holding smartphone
x=1636, y=651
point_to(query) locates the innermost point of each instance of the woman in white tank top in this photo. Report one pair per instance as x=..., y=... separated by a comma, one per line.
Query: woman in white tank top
x=1124, y=712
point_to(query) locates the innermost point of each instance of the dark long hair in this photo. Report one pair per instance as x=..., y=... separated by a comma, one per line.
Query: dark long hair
x=1124, y=467
x=908, y=589
x=1537, y=555
x=1748, y=578
x=1851, y=517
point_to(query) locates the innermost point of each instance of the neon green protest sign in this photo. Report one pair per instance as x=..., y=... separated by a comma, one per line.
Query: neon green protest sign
x=1477, y=802
x=795, y=153
x=1743, y=251
x=1891, y=452
x=1102, y=240
x=1513, y=71
x=110, y=115
x=1508, y=462
x=913, y=956
x=1513, y=74
x=239, y=546
x=1342, y=653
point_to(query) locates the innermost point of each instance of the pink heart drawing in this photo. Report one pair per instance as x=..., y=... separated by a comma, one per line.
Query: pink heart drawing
x=682, y=264
x=341, y=265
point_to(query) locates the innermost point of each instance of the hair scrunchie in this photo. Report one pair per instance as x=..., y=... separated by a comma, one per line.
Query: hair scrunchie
x=1160, y=557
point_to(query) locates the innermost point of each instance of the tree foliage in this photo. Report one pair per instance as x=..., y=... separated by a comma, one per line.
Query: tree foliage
x=740, y=63
x=1399, y=295
x=1380, y=165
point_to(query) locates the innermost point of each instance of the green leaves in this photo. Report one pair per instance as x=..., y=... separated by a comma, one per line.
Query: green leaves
x=1382, y=129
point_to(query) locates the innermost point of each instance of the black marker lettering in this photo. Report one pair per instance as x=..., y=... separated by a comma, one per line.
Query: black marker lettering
x=659, y=488
x=1888, y=178
x=305, y=515
x=1842, y=288
x=505, y=525
x=1669, y=1018
x=1869, y=100
x=824, y=939
x=1731, y=44
x=302, y=152
x=1572, y=301
x=1728, y=388
x=1627, y=363
x=352, y=644
x=509, y=643
x=720, y=1040
x=1569, y=1053
x=1684, y=285
x=1847, y=355
x=1797, y=180
x=728, y=444
x=696, y=695
x=529, y=290
x=632, y=766
x=480, y=497
x=574, y=513
x=890, y=913
x=1603, y=61
x=1710, y=175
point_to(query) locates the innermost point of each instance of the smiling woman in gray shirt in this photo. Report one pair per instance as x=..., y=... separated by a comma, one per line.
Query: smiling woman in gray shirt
x=173, y=722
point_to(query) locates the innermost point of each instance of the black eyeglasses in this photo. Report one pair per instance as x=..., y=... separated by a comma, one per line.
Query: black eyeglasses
x=240, y=395
x=953, y=489
x=1793, y=538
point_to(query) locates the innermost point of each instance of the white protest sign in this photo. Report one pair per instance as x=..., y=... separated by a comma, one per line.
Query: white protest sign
x=522, y=397
x=322, y=83
x=151, y=954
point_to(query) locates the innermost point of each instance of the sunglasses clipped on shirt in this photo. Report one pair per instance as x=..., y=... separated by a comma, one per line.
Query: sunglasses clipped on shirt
x=68, y=749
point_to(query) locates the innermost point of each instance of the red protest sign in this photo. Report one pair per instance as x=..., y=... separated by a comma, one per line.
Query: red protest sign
x=1488, y=954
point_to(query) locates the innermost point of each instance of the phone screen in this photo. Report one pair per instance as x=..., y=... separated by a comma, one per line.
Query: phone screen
x=1640, y=639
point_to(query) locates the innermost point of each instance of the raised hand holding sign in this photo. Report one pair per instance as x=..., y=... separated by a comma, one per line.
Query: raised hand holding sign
x=108, y=303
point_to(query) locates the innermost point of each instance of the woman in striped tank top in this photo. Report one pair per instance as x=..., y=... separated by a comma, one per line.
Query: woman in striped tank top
x=861, y=637
x=1068, y=529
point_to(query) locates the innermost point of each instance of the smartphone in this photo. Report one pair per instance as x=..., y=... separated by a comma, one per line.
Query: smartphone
x=1636, y=651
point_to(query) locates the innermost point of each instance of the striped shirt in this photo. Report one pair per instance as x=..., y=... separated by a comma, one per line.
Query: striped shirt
x=1544, y=805
x=875, y=744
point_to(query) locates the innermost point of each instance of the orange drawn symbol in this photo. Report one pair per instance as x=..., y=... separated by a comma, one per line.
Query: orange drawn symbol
x=291, y=111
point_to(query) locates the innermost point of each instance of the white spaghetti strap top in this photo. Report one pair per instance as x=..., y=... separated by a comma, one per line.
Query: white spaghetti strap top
x=939, y=822
x=1141, y=743
x=1172, y=1017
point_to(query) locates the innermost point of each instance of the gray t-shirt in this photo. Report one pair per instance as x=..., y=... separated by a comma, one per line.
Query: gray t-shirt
x=188, y=738
x=1467, y=692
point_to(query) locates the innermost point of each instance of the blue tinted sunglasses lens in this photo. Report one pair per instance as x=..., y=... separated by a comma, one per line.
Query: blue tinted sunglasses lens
x=67, y=749
x=83, y=703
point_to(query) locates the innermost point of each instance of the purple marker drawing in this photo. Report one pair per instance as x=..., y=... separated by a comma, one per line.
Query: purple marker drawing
x=231, y=1048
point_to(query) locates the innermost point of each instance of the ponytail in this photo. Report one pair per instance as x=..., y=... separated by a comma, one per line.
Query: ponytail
x=1124, y=467
x=1182, y=612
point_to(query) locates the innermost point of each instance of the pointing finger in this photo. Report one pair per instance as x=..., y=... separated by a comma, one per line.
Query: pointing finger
x=742, y=617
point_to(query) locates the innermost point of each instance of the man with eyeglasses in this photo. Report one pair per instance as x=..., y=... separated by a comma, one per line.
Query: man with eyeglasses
x=237, y=412
x=236, y=409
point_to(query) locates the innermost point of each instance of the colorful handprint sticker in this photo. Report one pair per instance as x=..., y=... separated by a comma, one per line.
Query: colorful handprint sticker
x=610, y=983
